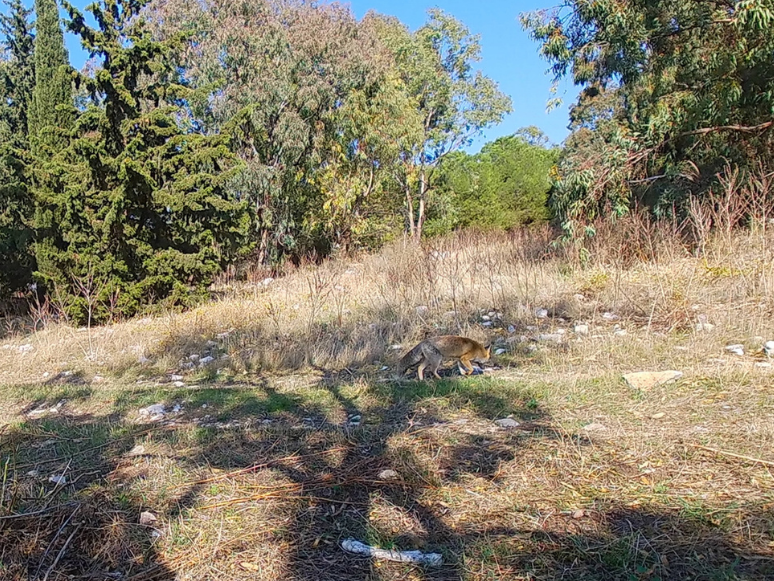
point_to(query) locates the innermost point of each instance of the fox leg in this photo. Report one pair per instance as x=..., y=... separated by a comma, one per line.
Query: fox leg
x=468, y=366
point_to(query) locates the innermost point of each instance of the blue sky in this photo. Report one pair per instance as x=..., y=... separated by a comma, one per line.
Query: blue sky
x=508, y=56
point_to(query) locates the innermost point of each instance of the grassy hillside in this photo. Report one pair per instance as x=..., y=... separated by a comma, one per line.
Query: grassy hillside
x=281, y=415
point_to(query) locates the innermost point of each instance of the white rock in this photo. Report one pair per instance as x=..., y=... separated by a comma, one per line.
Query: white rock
x=138, y=450
x=551, y=337
x=768, y=348
x=499, y=351
x=177, y=408
x=594, y=427
x=511, y=329
x=610, y=316
x=486, y=318
x=354, y=420
x=57, y=479
x=223, y=335
x=205, y=360
x=644, y=380
x=267, y=281
x=395, y=347
x=147, y=518
x=619, y=332
x=703, y=326
x=579, y=297
x=98, y=379
x=155, y=412
x=388, y=475
x=175, y=377
x=179, y=384
x=486, y=324
x=33, y=473
x=736, y=349
x=46, y=374
x=194, y=356
x=507, y=423
x=581, y=329
x=26, y=348
x=541, y=313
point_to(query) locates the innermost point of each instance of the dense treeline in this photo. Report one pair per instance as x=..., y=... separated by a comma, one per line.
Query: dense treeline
x=672, y=91
x=201, y=133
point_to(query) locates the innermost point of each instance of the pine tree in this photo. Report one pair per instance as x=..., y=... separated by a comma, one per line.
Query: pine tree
x=137, y=210
x=16, y=81
x=17, y=73
x=50, y=115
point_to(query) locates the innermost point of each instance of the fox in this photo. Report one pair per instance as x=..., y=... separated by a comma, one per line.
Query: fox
x=429, y=354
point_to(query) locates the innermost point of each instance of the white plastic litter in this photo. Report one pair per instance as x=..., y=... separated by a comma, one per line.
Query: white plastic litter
x=418, y=557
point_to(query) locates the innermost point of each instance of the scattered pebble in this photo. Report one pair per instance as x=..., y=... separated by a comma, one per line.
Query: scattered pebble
x=703, y=326
x=541, y=313
x=179, y=384
x=138, y=450
x=33, y=473
x=354, y=421
x=57, y=479
x=594, y=427
x=26, y=348
x=205, y=360
x=736, y=349
x=657, y=416
x=610, y=316
x=581, y=329
x=511, y=329
x=153, y=412
x=499, y=351
x=768, y=348
x=507, y=423
x=388, y=475
x=147, y=518
x=486, y=318
x=578, y=514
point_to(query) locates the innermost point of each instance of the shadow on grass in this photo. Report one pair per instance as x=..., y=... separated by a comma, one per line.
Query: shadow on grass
x=309, y=467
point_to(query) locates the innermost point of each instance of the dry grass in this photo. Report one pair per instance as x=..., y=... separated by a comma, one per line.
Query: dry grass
x=265, y=469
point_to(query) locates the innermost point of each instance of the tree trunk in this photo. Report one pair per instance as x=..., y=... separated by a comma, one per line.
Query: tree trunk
x=417, y=230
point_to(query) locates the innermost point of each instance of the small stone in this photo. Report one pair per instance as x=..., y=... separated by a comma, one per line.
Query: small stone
x=175, y=377
x=179, y=384
x=610, y=316
x=154, y=412
x=384, y=368
x=511, y=329
x=541, y=313
x=177, y=408
x=499, y=351
x=579, y=297
x=581, y=329
x=138, y=450
x=594, y=427
x=395, y=347
x=704, y=326
x=507, y=423
x=578, y=514
x=736, y=349
x=354, y=420
x=194, y=356
x=33, y=473
x=768, y=348
x=267, y=281
x=98, y=379
x=57, y=479
x=388, y=475
x=486, y=324
x=486, y=318
x=26, y=348
x=205, y=360
x=46, y=374
x=657, y=416
x=147, y=518
x=644, y=380
x=551, y=337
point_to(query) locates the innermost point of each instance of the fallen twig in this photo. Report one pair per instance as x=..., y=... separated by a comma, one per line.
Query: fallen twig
x=733, y=455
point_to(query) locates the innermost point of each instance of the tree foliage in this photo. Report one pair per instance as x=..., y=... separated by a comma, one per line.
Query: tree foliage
x=50, y=114
x=453, y=101
x=135, y=208
x=17, y=78
x=671, y=90
x=504, y=186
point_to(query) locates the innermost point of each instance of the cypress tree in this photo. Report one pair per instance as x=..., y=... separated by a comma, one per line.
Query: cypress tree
x=139, y=211
x=50, y=115
x=17, y=78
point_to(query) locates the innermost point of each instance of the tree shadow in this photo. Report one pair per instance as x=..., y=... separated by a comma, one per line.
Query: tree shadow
x=366, y=467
